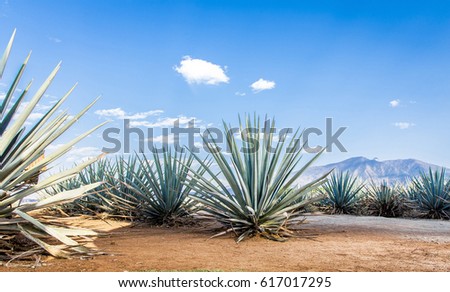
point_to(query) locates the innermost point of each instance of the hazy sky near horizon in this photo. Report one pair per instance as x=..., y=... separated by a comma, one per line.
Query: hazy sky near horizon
x=380, y=68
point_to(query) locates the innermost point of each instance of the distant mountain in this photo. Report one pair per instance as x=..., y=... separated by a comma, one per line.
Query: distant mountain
x=400, y=170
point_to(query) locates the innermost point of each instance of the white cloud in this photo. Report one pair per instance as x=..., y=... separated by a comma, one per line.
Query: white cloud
x=53, y=147
x=170, y=139
x=404, y=125
x=35, y=116
x=143, y=115
x=140, y=124
x=114, y=112
x=50, y=96
x=55, y=40
x=198, y=145
x=42, y=107
x=394, y=103
x=38, y=112
x=79, y=154
x=2, y=95
x=261, y=85
x=197, y=71
x=76, y=154
x=119, y=113
x=240, y=93
x=165, y=122
x=22, y=106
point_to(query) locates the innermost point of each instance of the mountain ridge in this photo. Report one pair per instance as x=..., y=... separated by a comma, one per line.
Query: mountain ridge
x=392, y=171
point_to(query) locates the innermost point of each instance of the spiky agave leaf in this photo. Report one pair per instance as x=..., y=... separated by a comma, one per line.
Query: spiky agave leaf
x=429, y=194
x=161, y=186
x=258, y=196
x=342, y=192
x=136, y=187
x=21, y=161
x=383, y=199
x=112, y=199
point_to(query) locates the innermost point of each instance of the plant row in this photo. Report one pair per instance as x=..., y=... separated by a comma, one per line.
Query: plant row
x=247, y=192
x=425, y=196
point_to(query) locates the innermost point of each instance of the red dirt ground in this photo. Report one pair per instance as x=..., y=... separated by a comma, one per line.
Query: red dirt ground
x=342, y=243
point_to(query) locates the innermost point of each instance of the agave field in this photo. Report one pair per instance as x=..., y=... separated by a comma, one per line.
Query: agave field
x=252, y=193
x=243, y=194
x=426, y=196
x=170, y=191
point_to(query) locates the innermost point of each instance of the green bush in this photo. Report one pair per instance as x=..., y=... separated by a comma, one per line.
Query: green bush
x=255, y=192
x=342, y=192
x=429, y=195
x=382, y=199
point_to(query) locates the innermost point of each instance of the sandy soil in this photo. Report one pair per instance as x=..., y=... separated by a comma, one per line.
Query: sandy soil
x=341, y=243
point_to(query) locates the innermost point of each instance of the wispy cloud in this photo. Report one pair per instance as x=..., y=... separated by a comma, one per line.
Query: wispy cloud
x=403, y=125
x=112, y=113
x=238, y=93
x=261, y=85
x=76, y=154
x=169, y=139
x=35, y=116
x=165, y=122
x=198, y=145
x=42, y=107
x=140, y=124
x=38, y=112
x=119, y=113
x=51, y=96
x=53, y=147
x=54, y=40
x=197, y=71
x=4, y=11
x=143, y=115
x=394, y=103
x=79, y=154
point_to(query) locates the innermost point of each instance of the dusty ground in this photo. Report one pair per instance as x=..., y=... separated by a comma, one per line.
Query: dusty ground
x=342, y=243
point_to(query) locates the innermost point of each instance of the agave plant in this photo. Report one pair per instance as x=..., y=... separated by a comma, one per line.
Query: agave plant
x=112, y=199
x=161, y=187
x=255, y=193
x=21, y=162
x=430, y=194
x=342, y=192
x=136, y=188
x=384, y=200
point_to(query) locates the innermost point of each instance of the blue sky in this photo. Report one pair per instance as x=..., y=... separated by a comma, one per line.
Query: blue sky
x=381, y=68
